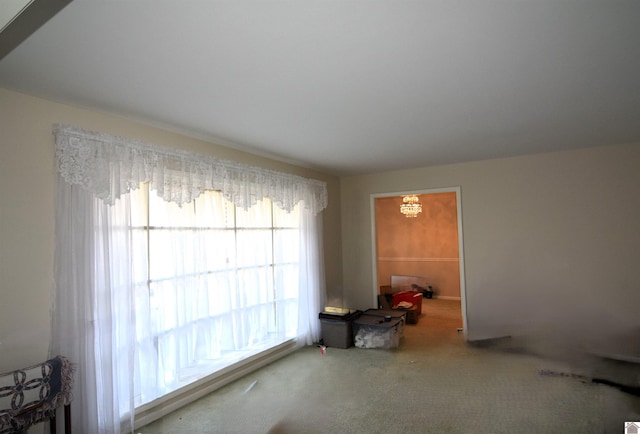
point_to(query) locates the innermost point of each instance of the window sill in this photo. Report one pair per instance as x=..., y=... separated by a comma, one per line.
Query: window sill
x=154, y=410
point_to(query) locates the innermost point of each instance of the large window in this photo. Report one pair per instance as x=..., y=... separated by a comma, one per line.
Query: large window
x=214, y=284
x=158, y=285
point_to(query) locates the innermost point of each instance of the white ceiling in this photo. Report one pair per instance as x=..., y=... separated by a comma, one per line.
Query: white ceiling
x=350, y=87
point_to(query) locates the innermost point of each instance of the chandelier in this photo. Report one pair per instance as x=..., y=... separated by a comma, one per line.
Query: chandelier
x=410, y=206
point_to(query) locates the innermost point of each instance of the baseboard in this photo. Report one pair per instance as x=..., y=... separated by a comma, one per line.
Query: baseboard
x=162, y=406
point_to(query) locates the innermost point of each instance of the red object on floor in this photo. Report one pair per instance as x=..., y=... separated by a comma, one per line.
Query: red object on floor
x=413, y=297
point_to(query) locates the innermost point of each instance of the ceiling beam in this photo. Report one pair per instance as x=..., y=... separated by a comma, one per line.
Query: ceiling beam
x=27, y=22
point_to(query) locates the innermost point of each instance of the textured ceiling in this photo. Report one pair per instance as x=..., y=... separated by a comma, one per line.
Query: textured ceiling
x=350, y=87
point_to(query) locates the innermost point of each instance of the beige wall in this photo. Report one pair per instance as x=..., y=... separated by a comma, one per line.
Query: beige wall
x=27, y=212
x=425, y=246
x=550, y=240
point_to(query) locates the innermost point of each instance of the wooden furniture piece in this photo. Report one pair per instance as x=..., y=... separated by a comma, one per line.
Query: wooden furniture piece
x=411, y=314
x=33, y=394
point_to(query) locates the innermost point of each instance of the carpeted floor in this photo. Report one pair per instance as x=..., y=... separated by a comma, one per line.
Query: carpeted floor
x=433, y=383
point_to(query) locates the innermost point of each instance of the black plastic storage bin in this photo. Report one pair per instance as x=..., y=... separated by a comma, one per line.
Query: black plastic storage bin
x=337, y=329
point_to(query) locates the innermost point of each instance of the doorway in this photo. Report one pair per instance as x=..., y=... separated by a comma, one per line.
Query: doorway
x=429, y=245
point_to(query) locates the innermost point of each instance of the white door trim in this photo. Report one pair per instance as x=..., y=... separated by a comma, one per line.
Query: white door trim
x=457, y=191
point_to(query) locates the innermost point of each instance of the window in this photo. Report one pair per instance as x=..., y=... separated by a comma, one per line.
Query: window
x=149, y=296
x=214, y=285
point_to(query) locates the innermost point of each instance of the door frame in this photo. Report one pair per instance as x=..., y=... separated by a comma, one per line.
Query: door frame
x=463, y=291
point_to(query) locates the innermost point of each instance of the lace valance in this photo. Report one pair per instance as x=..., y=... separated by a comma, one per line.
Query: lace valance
x=111, y=166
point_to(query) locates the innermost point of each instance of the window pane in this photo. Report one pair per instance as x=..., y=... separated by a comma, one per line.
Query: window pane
x=283, y=219
x=214, y=211
x=255, y=286
x=219, y=249
x=162, y=302
x=139, y=201
x=286, y=245
x=258, y=216
x=254, y=247
x=140, y=250
x=216, y=284
x=172, y=253
x=286, y=281
x=166, y=214
x=221, y=288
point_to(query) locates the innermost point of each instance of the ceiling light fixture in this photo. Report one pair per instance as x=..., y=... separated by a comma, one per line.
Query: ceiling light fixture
x=410, y=207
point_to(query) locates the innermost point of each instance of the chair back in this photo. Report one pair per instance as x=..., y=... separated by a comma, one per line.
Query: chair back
x=32, y=394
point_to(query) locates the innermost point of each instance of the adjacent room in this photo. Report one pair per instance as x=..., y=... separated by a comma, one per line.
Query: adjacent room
x=187, y=186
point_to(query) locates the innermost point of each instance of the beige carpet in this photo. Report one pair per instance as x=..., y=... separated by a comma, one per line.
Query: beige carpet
x=433, y=383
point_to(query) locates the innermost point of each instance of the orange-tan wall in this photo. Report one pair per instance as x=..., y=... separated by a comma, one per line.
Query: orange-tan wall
x=425, y=246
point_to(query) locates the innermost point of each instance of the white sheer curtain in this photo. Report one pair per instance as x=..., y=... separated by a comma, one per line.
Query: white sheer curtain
x=99, y=319
x=92, y=307
x=311, y=297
